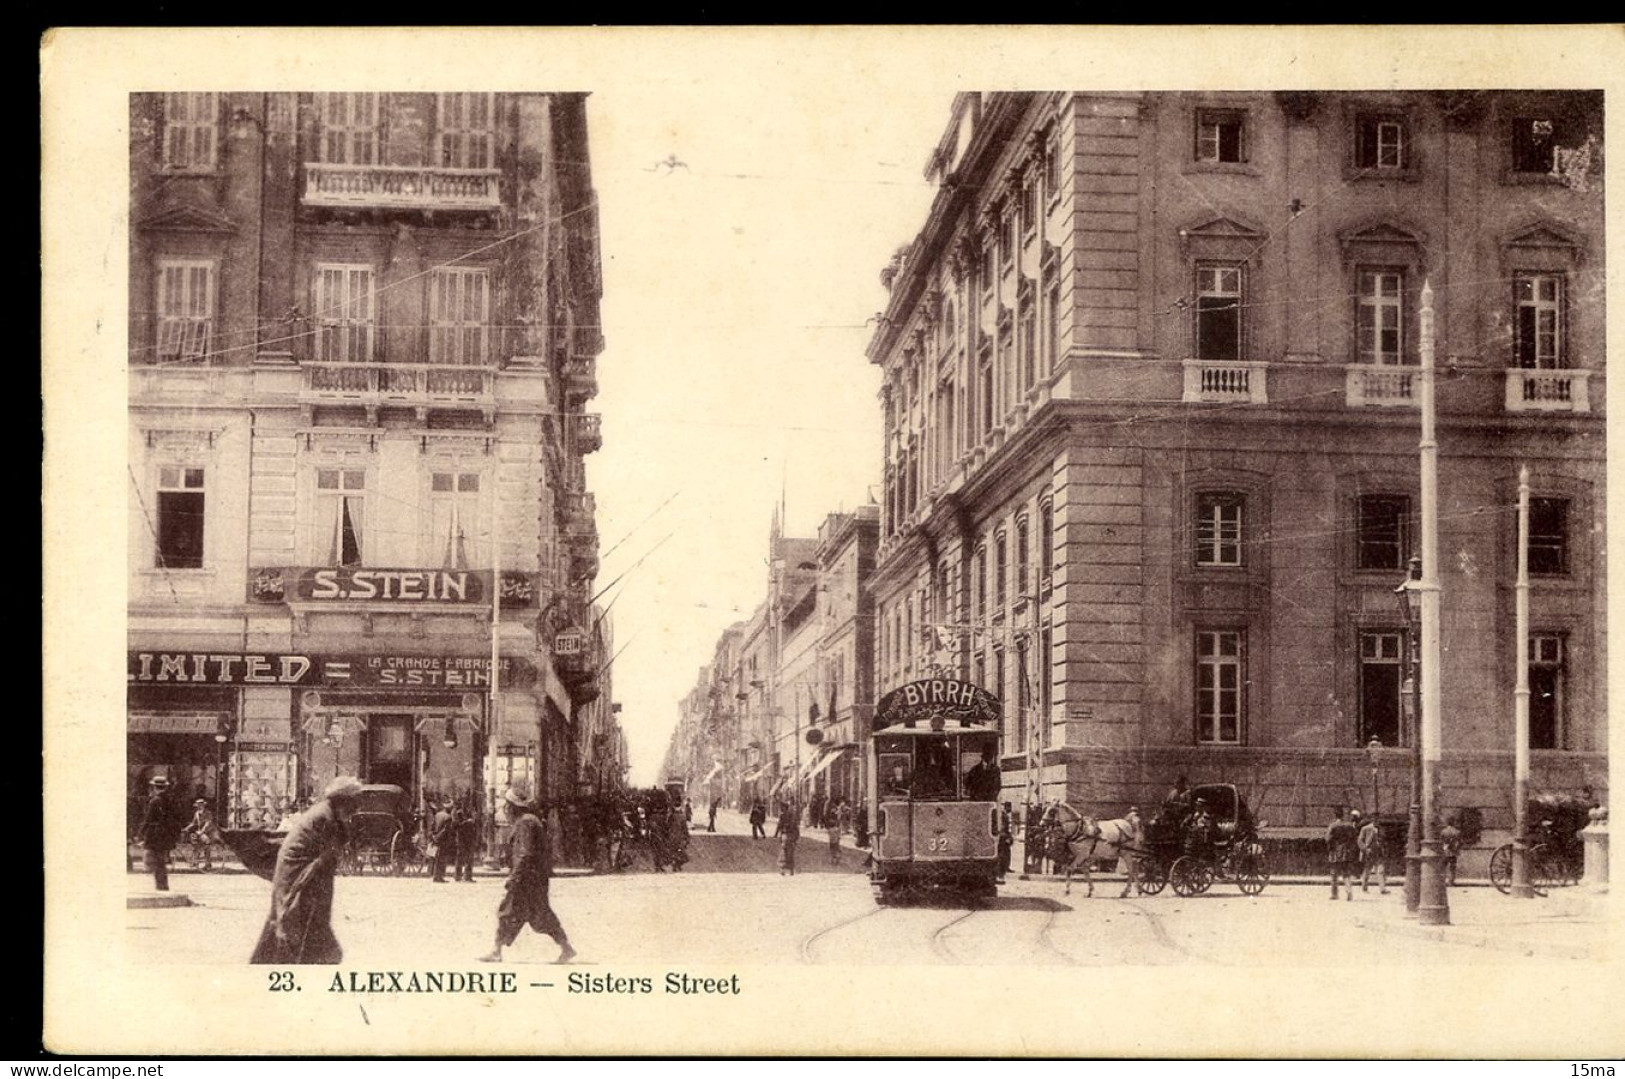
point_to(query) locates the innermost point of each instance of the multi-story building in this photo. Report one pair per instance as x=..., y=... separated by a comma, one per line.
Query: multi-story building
x=1151, y=436
x=363, y=330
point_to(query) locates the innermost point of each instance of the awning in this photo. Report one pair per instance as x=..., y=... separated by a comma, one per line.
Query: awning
x=829, y=758
x=749, y=776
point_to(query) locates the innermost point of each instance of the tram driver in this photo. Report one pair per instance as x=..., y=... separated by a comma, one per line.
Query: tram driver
x=983, y=781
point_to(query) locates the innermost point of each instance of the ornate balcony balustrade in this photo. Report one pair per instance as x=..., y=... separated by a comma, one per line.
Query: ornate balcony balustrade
x=404, y=187
x=1547, y=391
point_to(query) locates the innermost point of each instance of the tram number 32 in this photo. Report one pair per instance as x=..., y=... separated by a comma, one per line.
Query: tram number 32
x=937, y=844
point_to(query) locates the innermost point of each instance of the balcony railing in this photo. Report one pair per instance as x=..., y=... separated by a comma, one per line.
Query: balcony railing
x=407, y=187
x=1387, y=387
x=1221, y=381
x=589, y=432
x=1548, y=391
x=413, y=384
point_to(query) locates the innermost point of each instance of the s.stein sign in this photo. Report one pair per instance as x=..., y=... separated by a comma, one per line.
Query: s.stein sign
x=319, y=584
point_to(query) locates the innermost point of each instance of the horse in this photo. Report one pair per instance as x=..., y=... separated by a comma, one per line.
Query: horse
x=1084, y=838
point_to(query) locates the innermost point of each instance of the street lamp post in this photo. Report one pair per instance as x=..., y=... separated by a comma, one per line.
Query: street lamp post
x=1373, y=753
x=1434, y=907
x=1411, y=707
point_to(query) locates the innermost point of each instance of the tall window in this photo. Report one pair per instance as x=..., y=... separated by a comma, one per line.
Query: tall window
x=984, y=386
x=1046, y=545
x=1029, y=208
x=344, y=313
x=1029, y=346
x=1546, y=677
x=1046, y=687
x=190, y=128
x=1218, y=312
x=459, y=316
x=349, y=128
x=1381, y=677
x=1001, y=572
x=1379, y=321
x=180, y=518
x=987, y=272
x=1534, y=143
x=1381, y=531
x=1548, y=535
x=1024, y=565
x=1218, y=686
x=1219, y=136
x=1381, y=141
x=455, y=506
x=1052, y=326
x=1539, y=340
x=1001, y=691
x=341, y=514
x=185, y=309
x=981, y=584
x=466, y=131
x=1218, y=528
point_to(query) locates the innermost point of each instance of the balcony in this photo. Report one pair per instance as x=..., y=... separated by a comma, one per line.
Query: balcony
x=589, y=432
x=401, y=187
x=412, y=385
x=580, y=379
x=1548, y=391
x=1225, y=382
x=1382, y=387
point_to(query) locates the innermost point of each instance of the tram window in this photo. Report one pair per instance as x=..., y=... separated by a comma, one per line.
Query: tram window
x=934, y=775
x=895, y=768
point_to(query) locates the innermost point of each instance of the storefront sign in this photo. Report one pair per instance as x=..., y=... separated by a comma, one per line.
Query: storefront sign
x=350, y=584
x=931, y=699
x=568, y=642
x=262, y=747
x=343, y=670
x=150, y=722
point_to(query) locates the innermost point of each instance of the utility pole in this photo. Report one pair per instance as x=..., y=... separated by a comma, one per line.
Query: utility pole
x=1435, y=902
x=1520, y=704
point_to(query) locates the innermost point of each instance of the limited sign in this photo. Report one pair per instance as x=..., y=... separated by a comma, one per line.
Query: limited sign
x=384, y=670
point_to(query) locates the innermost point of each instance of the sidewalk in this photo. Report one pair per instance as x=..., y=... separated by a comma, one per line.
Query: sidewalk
x=1564, y=924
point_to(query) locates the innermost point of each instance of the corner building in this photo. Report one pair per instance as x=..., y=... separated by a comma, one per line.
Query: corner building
x=1151, y=438
x=363, y=333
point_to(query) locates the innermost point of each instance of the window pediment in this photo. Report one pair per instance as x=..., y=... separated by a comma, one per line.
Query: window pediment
x=1382, y=241
x=1542, y=234
x=1222, y=236
x=188, y=219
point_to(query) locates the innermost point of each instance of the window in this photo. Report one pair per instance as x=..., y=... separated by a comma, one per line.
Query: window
x=999, y=692
x=1029, y=208
x=1024, y=695
x=1218, y=528
x=1052, y=169
x=1001, y=570
x=1046, y=545
x=1548, y=535
x=341, y=514
x=459, y=313
x=1024, y=564
x=981, y=584
x=1008, y=239
x=349, y=124
x=343, y=302
x=1218, y=686
x=987, y=271
x=1219, y=136
x=1381, y=683
x=466, y=131
x=180, y=518
x=454, y=505
x=1539, y=340
x=1534, y=143
x=1218, y=312
x=185, y=309
x=1029, y=346
x=1379, y=322
x=1381, y=532
x=984, y=375
x=1546, y=678
x=1381, y=141
x=947, y=327
x=1046, y=661
x=190, y=122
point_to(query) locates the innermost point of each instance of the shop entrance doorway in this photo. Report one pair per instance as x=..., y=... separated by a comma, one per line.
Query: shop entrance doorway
x=386, y=755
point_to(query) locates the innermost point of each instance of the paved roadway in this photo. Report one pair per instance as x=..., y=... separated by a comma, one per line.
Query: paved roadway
x=732, y=907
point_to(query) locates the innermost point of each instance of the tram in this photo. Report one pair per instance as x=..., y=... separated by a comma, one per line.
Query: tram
x=933, y=791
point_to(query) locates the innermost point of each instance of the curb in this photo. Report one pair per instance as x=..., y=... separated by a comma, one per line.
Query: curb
x=157, y=900
x=1479, y=939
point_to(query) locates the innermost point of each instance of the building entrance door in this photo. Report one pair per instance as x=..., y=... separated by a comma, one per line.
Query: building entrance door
x=387, y=751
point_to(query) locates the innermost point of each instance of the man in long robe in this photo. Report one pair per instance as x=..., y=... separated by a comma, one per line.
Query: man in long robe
x=531, y=867
x=299, y=928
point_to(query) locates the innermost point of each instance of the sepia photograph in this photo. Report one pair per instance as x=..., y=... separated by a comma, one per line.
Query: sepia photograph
x=789, y=523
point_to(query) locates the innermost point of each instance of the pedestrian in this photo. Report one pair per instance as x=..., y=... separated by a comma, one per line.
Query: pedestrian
x=1342, y=851
x=530, y=860
x=711, y=821
x=1372, y=856
x=160, y=828
x=442, y=834
x=843, y=816
x=758, y=820
x=1007, y=840
x=677, y=841
x=466, y=833
x=1128, y=851
x=299, y=928
x=832, y=827
x=1449, y=848
x=788, y=834
x=860, y=828
x=201, y=832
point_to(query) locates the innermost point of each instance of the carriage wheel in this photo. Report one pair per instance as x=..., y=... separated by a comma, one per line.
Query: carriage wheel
x=1501, y=869
x=1252, y=873
x=1187, y=877
x=398, y=847
x=1204, y=877
x=1155, y=879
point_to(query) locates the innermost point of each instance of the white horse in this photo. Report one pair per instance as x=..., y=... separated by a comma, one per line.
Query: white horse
x=1084, y=838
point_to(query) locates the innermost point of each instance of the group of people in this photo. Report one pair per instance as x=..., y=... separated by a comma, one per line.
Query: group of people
x=453, y=833
x=1355, y=846
x=299, y=927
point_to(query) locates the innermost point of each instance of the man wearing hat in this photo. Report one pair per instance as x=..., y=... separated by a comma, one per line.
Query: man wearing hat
x=201, y=831
x=530, y=860
x=299, y=928
x=159, y=831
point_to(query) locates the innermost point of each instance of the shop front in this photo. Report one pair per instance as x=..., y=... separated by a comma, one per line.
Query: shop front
x=178, y=732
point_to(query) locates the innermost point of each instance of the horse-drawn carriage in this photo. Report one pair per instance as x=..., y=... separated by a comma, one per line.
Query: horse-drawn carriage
x=383, y=833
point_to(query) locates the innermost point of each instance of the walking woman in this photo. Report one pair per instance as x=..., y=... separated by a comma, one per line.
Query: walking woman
x=789, y=834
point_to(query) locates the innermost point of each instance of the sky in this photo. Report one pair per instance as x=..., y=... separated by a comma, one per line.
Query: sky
x=740, y=281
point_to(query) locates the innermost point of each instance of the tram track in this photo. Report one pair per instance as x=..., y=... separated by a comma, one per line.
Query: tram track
x=940, y=946
x=808, y=942
x=1049, y=944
